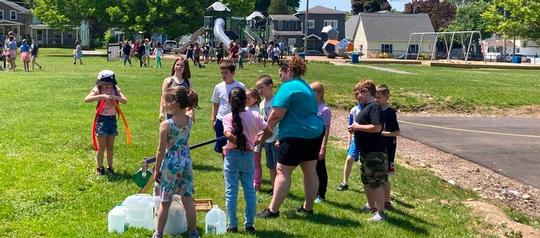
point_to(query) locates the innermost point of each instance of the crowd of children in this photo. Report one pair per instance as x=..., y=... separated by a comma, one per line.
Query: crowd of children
x=239, y=115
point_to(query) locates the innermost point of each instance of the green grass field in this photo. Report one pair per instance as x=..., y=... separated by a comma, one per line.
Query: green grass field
x=48, y=185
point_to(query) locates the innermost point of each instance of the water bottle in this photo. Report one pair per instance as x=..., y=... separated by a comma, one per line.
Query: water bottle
x=215, y=221
x=117, y=219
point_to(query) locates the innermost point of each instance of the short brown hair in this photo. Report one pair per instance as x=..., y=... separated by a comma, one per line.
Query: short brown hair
x=227, y=64
x=297, y=66
x=368, y=85
x=383, y=89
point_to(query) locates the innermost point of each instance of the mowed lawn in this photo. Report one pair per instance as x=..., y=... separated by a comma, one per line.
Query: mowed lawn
x=48, y=185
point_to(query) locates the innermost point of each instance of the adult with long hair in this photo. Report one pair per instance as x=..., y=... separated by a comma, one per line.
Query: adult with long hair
x=180, y=76
x=301, y=131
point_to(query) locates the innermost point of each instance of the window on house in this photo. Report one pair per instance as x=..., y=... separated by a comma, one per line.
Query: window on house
x=1, y=14
x=413, y=49
x=333, y=23
x=386, y=48
x=13, y=15
x=310, y=24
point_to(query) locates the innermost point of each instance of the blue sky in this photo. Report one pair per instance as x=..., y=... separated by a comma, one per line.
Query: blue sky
x=345, y=5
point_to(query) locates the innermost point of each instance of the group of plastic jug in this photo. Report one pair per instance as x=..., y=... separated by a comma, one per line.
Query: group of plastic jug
x=139, y=210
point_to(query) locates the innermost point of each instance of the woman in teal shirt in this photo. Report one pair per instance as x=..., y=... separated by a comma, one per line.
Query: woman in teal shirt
x=301, y=132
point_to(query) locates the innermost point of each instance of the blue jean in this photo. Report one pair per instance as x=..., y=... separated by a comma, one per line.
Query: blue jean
x=239, y=166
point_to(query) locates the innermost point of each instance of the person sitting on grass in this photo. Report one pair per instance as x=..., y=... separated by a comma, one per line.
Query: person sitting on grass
x=106, y=124
x=174, y=168
x=367, y=129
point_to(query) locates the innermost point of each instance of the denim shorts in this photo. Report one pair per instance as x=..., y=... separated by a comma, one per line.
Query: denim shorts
x=272, y=154
x=353, y=152
x=106, y=126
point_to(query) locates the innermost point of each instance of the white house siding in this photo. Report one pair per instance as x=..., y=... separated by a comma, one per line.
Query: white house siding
x=398, y=48
x=360, y=42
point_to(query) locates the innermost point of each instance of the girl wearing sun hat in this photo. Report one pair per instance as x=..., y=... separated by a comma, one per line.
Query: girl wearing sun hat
x=108, y=95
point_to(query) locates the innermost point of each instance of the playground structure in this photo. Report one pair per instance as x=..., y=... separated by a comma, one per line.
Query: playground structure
x=415, y=50
x=332, y=47
x=219, y=26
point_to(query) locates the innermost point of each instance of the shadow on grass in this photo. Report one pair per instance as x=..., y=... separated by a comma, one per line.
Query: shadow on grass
x=323, y=219
x=207, y=168
x=274, y=233
x=402, y=203
x=410, y=217
x=407, y=222
x=343, y=206
x=119, y=176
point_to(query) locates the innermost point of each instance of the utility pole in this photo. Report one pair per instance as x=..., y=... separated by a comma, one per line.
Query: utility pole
x=306, y=28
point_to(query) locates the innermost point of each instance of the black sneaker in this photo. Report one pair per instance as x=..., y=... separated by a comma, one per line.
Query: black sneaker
x=232, y=230
x=303, y=210
x=100, y=170
x=343, y=187
x=250, y=229
x=110, y=171
x=266, y=213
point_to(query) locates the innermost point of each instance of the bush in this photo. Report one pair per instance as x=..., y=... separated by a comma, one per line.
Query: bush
x=108, y=37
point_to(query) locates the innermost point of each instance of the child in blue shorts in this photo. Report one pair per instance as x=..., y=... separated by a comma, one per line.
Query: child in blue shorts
x=108, y=95
x=353, y=153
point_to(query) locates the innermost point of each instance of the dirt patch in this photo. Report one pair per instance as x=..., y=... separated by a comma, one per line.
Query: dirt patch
x=487, y=183
x=498, y=223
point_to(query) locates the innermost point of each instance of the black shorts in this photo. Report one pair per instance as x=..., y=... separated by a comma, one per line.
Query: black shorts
x=293, y=151
x=218, y=128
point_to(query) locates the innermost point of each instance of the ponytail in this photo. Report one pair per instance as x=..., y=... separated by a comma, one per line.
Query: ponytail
x=237, y=100
x=185, y=98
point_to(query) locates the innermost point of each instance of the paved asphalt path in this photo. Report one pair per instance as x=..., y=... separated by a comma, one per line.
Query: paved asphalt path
x=508, y=146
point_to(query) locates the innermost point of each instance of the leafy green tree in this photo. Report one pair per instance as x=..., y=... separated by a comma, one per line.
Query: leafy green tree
x=514, y=18
x=440, y=13
x=262, y=6
x=469, y=18
x=359, y=6
x=240, y=7
x=279, y=7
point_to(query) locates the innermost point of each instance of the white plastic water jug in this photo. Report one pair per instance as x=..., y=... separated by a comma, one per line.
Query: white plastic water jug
x=176, y=219
x=140, y=211
x=117, y=219
x=215, y=221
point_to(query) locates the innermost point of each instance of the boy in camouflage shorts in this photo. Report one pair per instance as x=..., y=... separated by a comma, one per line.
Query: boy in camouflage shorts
x=367, y=130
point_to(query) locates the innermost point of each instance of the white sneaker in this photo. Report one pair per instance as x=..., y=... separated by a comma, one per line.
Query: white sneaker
x=378, y=217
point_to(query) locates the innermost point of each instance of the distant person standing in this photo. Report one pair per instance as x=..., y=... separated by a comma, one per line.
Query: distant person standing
x=25, y=55
x=12, y=52
x=34, y=49
x=147, y=49
x=77, y=53
x=140, y=55
x=126, y=50
x=219, y=53
x=158, y=52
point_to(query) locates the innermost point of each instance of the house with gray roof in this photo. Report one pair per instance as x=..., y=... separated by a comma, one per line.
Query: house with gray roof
x=20, y=20
x=285, y=28
x=318, y=18
x=376, y=33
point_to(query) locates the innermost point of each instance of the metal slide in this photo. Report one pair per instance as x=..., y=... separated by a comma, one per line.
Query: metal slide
x=219, y=33
x=194, y=37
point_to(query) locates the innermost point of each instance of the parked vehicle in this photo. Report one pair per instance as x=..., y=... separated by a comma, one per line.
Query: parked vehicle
x=524, y=58
x=169, y=45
